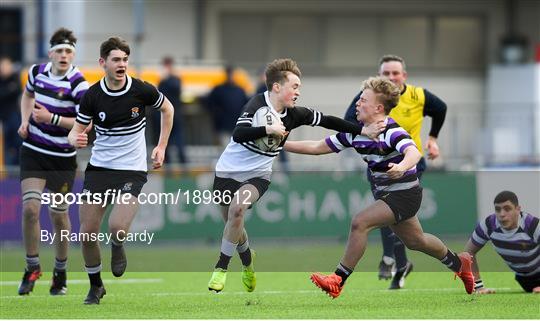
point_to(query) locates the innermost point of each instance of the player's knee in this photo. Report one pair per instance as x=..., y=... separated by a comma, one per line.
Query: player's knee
x=236, y=213
x=118, y=231
x=89, y=227
x=31, y=211
x=60, y=220
x=358, y=224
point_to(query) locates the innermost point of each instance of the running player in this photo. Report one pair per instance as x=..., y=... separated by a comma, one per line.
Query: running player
x=392, y=169
x=116, y=106
x=243, y=170
x=49, y=105
x=414, y=104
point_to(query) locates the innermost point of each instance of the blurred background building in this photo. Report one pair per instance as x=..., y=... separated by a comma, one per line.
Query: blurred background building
x=453, y=48
x=481, y=57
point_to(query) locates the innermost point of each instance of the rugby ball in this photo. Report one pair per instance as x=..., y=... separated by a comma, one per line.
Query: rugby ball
x=262, y=117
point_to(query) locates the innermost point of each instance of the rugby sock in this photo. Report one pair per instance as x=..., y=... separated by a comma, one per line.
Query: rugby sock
x=32, y=262
x=60, y=265
x=388, y=260
x=244, y=252
x=94, y=274
x=400, y=254
x=344, y=272
x=451, y=260
x=227, y=251
x=388, y=239
x=116, y=243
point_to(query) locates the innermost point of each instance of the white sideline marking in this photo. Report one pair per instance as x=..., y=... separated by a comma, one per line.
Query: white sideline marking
x=119, y=281
x=205, y=293
x=315, y=291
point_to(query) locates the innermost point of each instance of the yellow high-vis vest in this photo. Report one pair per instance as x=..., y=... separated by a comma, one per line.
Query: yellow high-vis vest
x=409, y=113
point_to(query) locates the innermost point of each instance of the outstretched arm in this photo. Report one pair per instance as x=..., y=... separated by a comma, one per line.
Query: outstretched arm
x=372, y=131
x=340, y=125
x=310, y=147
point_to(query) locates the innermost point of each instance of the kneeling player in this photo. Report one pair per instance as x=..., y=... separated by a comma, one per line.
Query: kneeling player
x=392, y=167
x=515, y=236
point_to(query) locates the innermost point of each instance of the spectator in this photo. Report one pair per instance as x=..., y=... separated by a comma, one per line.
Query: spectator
x=226, y=102
x=10, y=91
x=171, y=86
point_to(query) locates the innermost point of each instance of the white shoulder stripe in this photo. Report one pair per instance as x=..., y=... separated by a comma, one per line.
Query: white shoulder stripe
x=80, y=87
x=159, y=101
x=74, y=70
x=403, y=142
x=30, y=74
x=389, y=133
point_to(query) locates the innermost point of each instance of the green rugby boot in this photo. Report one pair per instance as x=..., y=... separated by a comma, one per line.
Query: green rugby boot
x=217, y=281
x=249, y=280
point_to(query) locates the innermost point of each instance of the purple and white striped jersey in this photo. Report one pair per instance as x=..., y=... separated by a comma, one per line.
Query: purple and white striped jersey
x=519, y=248
x=60, y=95
x=393, y=141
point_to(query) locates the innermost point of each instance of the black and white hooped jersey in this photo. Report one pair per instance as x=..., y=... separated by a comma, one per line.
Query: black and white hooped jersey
x=242, y=161
x=119, y=121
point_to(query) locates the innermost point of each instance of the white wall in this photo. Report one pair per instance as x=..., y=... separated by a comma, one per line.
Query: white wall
x=168, y=28
x=494, y=11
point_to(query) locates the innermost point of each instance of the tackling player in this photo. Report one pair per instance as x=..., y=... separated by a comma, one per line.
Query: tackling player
x=243, y=169
x=414, y=104
x=392, y=169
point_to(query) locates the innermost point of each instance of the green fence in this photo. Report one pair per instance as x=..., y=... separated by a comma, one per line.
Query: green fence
x=307, y=205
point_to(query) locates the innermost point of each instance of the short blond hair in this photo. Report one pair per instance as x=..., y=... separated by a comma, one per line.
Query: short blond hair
x=387, y=92
x=277, y=70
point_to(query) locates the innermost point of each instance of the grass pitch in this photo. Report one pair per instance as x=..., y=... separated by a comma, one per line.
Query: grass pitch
x=290, y=295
